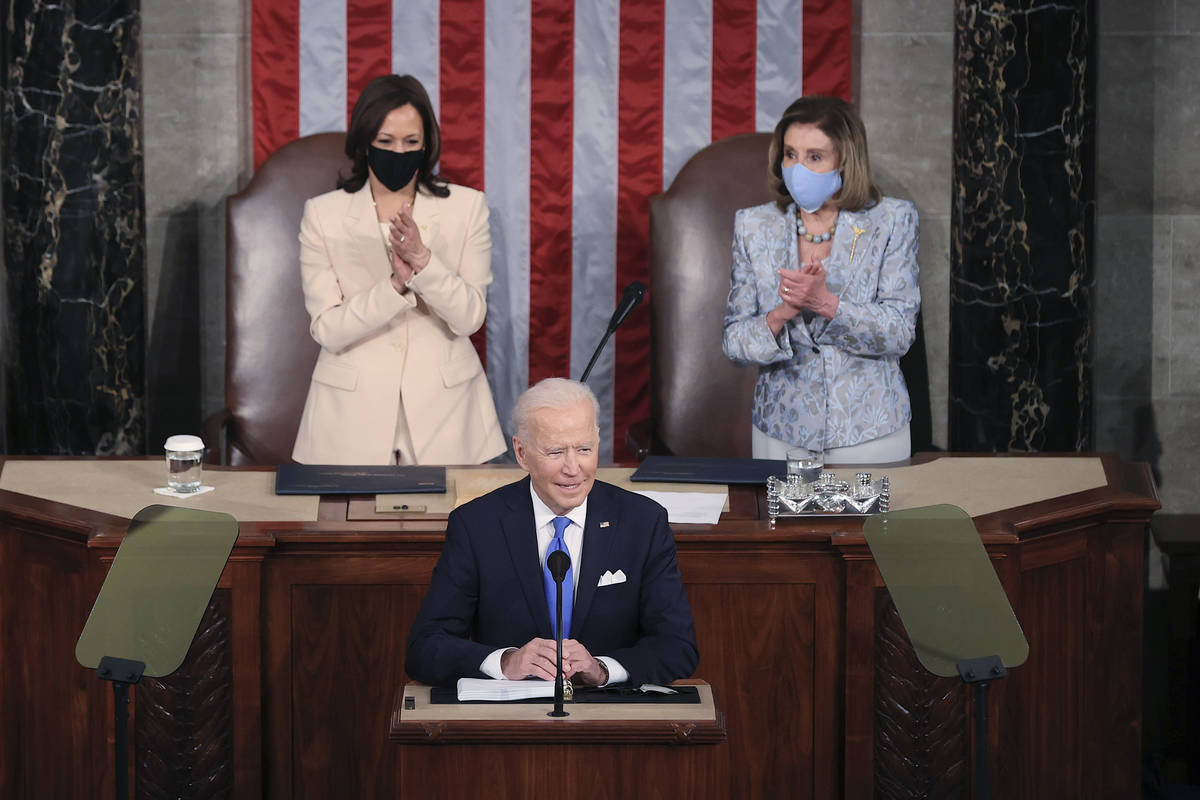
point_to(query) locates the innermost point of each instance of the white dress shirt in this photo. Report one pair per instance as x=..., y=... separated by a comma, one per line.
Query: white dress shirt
x=543, y=520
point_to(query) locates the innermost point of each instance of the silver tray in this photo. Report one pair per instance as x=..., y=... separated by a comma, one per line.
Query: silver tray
x=828, y=496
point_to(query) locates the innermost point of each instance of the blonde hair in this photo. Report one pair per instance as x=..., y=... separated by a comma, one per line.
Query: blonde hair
x=838, y=120
x=555, y=393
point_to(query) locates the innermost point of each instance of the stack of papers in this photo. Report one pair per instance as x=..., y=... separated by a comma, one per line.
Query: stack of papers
x=488, y=689
x=690, y=507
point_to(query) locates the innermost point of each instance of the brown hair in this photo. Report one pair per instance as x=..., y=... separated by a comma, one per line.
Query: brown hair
x=378, y=99
x=838, y=120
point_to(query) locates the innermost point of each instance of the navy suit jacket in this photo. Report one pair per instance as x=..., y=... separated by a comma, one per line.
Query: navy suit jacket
x=487, y=590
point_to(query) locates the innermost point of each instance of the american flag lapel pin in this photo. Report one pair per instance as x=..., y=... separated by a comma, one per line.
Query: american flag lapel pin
x=604, y=524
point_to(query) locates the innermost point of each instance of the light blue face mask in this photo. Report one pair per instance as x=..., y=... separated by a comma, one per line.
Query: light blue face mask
x=811, y=189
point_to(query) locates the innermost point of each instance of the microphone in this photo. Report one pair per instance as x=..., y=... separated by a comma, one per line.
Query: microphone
x=558, y=562
x=630, y=298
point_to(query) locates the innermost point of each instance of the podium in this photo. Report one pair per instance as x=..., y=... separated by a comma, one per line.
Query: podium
x=513, y=750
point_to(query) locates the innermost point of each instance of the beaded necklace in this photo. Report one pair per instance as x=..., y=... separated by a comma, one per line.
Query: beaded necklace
x=816, y=238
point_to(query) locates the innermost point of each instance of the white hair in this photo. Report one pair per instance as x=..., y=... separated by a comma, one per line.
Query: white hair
x=555, y=393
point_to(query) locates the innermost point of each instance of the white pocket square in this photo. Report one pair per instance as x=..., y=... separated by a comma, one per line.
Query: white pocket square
x=609, y=578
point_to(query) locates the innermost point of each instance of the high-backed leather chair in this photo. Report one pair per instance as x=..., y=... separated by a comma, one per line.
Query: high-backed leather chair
x=699, y=401
x=269, y=354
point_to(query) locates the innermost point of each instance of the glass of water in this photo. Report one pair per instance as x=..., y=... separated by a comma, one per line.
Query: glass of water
x=184, y=454
x=805, y=463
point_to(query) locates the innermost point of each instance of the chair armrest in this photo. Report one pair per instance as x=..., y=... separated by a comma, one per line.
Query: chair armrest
x=216, y=436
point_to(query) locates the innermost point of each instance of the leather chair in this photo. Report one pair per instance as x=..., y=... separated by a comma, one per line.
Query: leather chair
x=269, y=353
x=699, y=401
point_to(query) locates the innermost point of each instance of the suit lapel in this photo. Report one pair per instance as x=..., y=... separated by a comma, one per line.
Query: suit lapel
x=517, y=526
x=860, y=231
x=362, y=226
x=855, y=229
x=597, y=551
x=426, y=212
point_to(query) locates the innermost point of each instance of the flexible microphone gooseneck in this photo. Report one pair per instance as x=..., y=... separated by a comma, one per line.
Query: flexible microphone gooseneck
x=558, y=563
x=630, y=298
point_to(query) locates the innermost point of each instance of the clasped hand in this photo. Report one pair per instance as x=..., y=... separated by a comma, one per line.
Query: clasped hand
x=536, y=660
x=409, y=253
x=805, y=288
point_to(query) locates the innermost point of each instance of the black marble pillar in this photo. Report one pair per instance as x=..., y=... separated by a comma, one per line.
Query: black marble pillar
x=74, y=227
x=1021, y=233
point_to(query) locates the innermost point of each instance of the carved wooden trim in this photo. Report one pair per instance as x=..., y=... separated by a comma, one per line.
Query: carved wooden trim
x=921, y=744
x=184, y=722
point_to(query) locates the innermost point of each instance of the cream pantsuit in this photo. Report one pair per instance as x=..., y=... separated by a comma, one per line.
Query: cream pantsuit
x=381, y=349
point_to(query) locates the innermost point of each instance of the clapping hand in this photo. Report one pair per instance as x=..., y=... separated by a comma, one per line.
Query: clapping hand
x=805, y=289
x=409, y=253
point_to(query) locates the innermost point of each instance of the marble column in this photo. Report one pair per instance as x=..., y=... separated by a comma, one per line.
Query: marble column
x=1023, y=206
x=74, y=227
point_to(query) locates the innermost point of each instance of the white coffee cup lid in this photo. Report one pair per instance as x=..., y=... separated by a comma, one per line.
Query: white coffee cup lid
x=184, y=443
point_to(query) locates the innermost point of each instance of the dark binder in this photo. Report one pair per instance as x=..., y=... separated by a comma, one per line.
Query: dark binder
x=341, y=479
x=675, y=469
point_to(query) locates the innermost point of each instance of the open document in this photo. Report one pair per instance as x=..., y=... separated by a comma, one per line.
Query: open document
x=487, y=689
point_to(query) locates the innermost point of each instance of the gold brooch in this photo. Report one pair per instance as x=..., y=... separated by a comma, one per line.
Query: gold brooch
x=854, y=242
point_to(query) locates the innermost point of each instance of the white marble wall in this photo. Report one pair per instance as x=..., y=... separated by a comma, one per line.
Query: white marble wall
x=196, y=107
x=905, y=93
x=197, y=117
x=1147, y=368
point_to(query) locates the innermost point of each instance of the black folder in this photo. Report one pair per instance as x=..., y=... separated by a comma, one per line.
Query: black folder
x=676, y=469
x=341, y=479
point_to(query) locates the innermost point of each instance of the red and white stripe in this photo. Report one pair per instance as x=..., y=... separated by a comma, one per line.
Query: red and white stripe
x=569, y=114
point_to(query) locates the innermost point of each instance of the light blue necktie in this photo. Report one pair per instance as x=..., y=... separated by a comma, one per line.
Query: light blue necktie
x=568, y=586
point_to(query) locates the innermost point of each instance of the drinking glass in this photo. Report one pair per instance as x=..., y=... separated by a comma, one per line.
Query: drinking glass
x=184, y=454
x=806, y=463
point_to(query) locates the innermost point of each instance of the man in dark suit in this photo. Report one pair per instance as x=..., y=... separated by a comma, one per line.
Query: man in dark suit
x=487, y=614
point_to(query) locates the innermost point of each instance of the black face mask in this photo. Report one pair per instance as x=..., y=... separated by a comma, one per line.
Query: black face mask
x=394, y=170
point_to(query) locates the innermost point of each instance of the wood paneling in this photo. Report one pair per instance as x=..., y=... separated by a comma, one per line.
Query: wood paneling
x=519, y=772
x=1048, y=726
x=341, y=705
x=57, y=716
x=752, y=646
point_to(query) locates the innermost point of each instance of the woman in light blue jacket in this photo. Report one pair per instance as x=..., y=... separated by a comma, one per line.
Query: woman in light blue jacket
x=824, y=296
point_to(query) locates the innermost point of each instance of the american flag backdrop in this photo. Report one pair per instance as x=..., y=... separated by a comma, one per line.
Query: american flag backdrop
x=569, y=114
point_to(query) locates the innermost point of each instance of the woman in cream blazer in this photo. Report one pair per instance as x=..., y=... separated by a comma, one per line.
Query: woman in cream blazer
x=393, y=302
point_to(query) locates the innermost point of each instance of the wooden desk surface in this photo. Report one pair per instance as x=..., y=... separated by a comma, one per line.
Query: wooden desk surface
x=978, y=484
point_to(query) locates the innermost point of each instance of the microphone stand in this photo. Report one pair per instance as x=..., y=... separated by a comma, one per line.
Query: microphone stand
x=632, y=295
x=558, y=670
x=596, y=354
x=558, y=562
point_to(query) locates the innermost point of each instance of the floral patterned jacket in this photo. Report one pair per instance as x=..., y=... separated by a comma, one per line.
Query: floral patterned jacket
x=827, y=383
